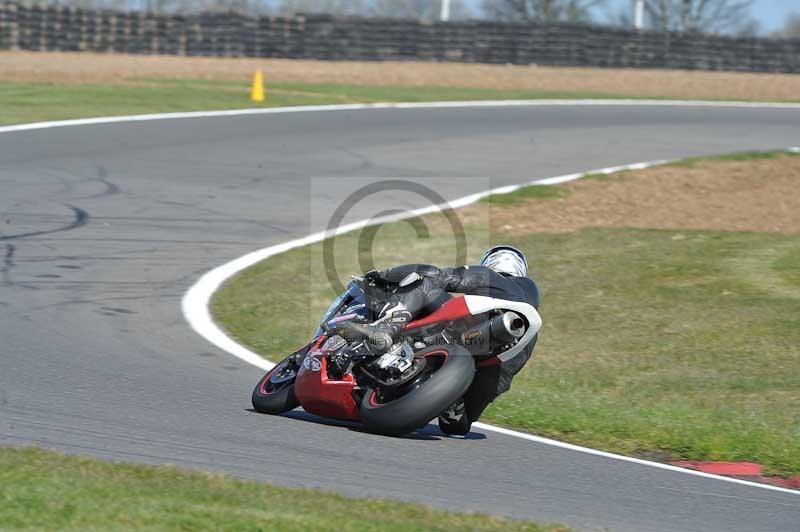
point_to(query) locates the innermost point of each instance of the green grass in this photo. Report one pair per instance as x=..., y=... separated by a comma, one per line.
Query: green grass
x=685, y=344
x=535, y=191
x=692, y=162
x=744, y=156
x=50, y=491
x=22, y=102
x=30, y=102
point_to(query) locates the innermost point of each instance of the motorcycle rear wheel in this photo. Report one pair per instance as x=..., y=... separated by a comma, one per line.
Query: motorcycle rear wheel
x=274, y=393
x=446, y=378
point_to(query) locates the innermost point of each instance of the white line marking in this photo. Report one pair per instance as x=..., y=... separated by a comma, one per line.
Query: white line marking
x=410, y=105
x=195, y=303
x=195, y=307
x=657, y=465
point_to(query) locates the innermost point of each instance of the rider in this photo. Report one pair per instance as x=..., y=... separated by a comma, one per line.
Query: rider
x=502, y=274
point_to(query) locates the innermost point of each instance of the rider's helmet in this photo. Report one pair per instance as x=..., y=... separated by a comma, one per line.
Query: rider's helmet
x=506, y=260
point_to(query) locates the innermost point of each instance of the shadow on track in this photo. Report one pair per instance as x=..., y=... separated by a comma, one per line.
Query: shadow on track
x=430, y=432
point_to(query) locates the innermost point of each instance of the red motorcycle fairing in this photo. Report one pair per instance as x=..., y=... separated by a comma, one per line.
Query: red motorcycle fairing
x=327, y=397
x=450, y=311
x=321, y=395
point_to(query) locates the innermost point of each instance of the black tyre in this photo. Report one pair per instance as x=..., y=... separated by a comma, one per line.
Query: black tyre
x=274, y=393
x=447, y=375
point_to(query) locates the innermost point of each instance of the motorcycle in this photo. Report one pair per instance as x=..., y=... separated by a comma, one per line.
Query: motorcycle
x=344, y=374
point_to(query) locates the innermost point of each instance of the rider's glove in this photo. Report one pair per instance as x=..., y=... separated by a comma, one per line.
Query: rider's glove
x=394, y=312
x=376, y=277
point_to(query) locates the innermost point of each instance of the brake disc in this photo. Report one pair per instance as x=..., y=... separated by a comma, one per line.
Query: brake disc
x=417, y=366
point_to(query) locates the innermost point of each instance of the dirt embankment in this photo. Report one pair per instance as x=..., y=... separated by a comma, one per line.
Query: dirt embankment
x=112, y=68
x=753, y=195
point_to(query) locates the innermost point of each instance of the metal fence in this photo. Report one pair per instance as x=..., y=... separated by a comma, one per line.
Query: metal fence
x=325, y=37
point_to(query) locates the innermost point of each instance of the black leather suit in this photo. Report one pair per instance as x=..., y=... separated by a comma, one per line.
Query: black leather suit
x=425, y=296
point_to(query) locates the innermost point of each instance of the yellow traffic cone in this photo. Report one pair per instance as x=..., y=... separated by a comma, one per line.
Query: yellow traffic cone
x=257, y=92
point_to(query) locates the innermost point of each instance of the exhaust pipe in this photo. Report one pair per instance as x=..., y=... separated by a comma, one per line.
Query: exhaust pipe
x=496, y=332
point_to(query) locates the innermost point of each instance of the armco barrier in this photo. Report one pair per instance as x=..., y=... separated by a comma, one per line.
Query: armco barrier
x=24, y=27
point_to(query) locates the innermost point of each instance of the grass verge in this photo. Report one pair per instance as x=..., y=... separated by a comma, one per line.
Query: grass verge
x=519, y=196
x=46, y=490
x=681, y=343
x=22, y=102
x=122, y=69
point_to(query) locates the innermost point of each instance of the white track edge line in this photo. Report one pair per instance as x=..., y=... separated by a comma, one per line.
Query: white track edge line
x=195, y=303
x=623, y=458
x=196, y=309
x=398, y=105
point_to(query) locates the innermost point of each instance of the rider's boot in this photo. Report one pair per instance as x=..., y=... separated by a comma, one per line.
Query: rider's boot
x=395, y=313
x=454, y=420
x=382, y=333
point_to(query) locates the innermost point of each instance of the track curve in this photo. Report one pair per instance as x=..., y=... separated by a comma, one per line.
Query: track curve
x=97, y=359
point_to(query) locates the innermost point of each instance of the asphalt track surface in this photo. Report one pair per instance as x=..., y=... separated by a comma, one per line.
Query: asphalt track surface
x=104, y=227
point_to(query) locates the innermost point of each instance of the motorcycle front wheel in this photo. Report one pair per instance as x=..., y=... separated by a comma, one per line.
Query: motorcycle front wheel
x=274, y=393
x=396, y=411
